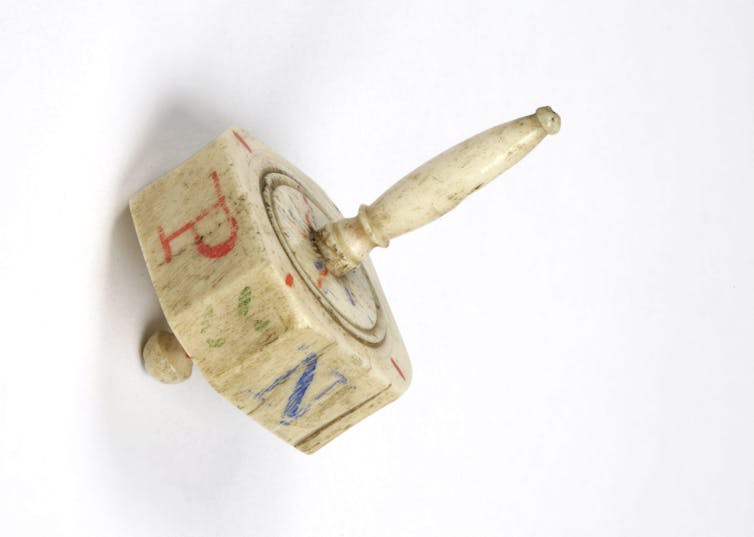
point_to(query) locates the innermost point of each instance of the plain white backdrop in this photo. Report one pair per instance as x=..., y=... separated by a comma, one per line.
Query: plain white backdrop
x=581, y=330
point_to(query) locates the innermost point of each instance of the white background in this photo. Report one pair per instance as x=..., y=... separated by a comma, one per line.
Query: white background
x=582, y=330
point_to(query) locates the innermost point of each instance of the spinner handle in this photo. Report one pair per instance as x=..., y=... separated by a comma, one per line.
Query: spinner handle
x=432, y=189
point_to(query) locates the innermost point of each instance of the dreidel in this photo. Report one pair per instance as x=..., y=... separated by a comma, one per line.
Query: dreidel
x=270, y=291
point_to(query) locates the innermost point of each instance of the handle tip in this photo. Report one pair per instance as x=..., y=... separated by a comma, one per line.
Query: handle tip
x=549, y=120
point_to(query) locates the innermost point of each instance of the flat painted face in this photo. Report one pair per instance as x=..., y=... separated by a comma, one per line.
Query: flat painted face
x=350, y=298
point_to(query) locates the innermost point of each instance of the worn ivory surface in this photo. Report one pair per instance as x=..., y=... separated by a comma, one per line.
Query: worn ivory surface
x=303, y=352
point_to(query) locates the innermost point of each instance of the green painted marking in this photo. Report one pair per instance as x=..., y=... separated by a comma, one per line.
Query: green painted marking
x=215, y=343
x=260, y=325
x=243, y=301
x=207, y=319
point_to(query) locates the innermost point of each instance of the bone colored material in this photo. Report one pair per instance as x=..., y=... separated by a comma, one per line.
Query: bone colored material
x=165, y=359
x=304, y=350
x=226, y=239
x=433, y=189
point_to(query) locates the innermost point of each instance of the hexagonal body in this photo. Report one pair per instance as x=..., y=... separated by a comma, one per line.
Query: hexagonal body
x=245, y=310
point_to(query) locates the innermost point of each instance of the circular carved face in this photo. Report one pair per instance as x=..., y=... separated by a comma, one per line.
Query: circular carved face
x=350, y=299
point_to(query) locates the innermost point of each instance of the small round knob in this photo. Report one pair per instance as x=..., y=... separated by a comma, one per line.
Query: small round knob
x=165, y=359
x=549, y=120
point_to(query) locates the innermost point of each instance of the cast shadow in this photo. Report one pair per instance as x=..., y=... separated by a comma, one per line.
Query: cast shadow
x=154, y=433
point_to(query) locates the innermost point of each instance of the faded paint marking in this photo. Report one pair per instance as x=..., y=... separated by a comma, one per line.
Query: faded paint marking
x=243, y=142
x=397, y=368
x=295, y=406
x=207, y=250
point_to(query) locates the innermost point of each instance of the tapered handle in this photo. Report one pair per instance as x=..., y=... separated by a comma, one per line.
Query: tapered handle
x=432, y=189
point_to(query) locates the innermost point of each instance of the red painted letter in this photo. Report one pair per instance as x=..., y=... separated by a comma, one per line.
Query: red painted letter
x=207, y=250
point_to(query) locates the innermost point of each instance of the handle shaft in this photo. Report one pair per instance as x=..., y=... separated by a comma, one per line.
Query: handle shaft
x=432, y=189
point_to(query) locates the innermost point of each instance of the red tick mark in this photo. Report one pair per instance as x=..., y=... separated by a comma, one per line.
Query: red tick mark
x=398, y=369
x=243, y=142
x=289, y=279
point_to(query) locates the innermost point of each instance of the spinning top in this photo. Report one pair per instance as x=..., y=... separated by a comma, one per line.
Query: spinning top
x=270, y=292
